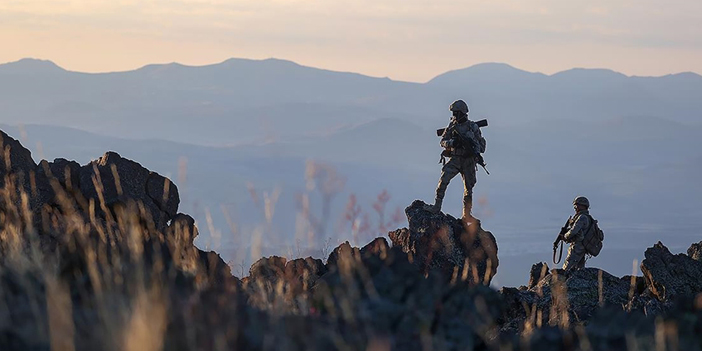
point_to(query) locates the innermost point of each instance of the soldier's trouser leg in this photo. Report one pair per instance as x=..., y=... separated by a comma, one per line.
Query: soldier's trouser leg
x=450, y=170
x=576, y=257
x=469, y=180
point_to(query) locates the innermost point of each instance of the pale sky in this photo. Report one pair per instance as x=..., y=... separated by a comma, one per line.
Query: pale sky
x=411, y=40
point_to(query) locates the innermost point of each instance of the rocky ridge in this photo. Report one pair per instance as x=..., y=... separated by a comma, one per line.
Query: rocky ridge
x=98, y=257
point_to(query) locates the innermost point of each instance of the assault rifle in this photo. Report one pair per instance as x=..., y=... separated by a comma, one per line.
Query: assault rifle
x=559, y=240
x=480, y=160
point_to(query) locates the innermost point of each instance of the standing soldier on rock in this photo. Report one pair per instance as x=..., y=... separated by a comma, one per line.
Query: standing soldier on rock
x=464, y=143
x=579, y=226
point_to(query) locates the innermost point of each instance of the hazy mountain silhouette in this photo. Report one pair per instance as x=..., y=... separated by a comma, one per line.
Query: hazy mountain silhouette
x=246, y=100
x=30, y=66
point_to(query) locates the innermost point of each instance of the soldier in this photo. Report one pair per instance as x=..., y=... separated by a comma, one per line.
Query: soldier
x=575, y=235
x=463, y=143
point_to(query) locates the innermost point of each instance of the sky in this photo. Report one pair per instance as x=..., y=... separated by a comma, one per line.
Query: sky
x=411, y=40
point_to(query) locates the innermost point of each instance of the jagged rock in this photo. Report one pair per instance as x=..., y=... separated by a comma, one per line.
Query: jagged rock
x=538, y=271
x=302, y=273
x=97, y=180
x=695, y=251
x=393, y=299
x=18, y=167
x=66, y=172
x=164, y=193
x=439, y=241
x=218, y=272
x=579, y=295
x=379, y=246
x=343, y=250
x=19, y=163
x=268, y=268
x=183, y=228
x=671, y=276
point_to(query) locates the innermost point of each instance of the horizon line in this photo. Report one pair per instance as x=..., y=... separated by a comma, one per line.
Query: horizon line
x=343, y=71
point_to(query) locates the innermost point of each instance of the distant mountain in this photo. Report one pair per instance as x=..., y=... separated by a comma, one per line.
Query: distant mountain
x=240, y=101
x=29, y=66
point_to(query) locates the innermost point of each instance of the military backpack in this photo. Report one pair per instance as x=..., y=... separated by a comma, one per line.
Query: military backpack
x=593, y=238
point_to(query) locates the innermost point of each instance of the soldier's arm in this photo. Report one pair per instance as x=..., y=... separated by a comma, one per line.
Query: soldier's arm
x=446, y=139
x=576, y=230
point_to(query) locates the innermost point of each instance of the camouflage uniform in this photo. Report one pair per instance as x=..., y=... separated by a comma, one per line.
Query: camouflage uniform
x=462, y=159
x=575, y=236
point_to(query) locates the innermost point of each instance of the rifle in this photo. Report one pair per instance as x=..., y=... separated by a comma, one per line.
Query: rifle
x=480, y=160
x=481, y=123
x=559, y=240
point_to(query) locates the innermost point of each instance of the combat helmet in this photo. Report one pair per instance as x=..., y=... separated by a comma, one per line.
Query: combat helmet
x=459, y=106
x=582, y=200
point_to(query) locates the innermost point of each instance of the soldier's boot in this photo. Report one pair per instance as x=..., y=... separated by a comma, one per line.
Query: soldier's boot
x=436, y=208
x=467, y=208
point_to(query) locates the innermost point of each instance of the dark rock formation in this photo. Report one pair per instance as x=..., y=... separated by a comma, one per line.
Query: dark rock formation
x=671, y=276
x=437, y=241
x=109, y=264
x=695, y=251
x=395, y=302
x=538, y=272
x=112, y=179
x=16, y=161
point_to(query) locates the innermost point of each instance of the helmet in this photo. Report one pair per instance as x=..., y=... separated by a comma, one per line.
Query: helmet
x=581, y=200
x=460, y=106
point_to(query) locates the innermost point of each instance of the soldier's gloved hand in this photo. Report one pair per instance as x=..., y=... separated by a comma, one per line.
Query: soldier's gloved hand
x=449, y=143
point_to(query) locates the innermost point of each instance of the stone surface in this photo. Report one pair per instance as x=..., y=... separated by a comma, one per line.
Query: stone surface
x=671, y=276
x=437, y=241
x=538, y=272
x=114, y=180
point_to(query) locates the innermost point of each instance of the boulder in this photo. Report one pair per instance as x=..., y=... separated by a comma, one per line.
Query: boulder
x=671, y=276
x=117, y=180
x=437, y=241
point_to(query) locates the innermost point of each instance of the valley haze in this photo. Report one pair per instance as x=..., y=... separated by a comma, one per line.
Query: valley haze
x=242, y=133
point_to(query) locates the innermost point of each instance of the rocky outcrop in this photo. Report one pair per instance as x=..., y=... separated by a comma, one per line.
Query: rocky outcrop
x=112, y=180
x=558, y=300
x=437, y=241
x=671, y=276
x=122, y=272
x=538, y=272
x=394, y=301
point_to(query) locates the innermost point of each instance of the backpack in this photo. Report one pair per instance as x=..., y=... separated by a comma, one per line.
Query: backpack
x=593, y=238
